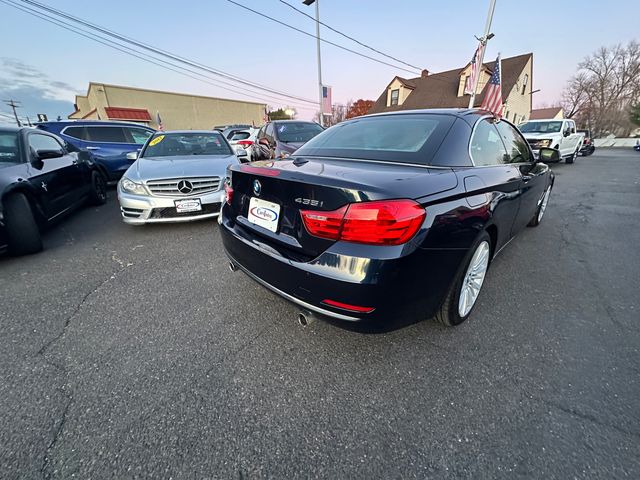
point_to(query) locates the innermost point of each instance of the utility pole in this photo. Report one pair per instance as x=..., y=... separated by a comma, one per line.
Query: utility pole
x=483, y=40
x=309, y=2
x=13, y=104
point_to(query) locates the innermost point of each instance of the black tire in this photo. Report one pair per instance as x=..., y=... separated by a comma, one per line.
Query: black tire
x=449, y=315
x=537, y=217
x=22, y=229
x=98, y=193
x=572, y=158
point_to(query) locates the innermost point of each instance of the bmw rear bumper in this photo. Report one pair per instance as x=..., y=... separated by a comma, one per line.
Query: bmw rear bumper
x=395, y=284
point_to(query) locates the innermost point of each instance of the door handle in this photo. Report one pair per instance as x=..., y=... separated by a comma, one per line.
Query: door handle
x=526, y=178
x=93, y=148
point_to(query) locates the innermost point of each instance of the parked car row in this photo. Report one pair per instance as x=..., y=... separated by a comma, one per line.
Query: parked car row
x=383, y=216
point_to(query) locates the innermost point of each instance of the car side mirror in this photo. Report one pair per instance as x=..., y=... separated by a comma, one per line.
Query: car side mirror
x=132, y=155
x=46, y=153
x=264, y=141
x=567, y=132
x=548, y=155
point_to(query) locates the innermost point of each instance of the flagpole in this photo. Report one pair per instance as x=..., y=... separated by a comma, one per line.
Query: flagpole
x=483, y=41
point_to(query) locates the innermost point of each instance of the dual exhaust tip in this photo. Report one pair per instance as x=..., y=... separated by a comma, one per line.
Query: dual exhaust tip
x=304, y=317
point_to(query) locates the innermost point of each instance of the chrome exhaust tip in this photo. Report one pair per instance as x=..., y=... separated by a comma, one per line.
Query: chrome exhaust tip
x=233, y=267
x=305, y=318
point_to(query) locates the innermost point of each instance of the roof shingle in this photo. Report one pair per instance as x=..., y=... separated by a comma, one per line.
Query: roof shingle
x=440, y=90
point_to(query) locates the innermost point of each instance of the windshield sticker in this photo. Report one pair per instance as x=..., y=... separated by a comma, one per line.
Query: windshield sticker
x=156, y=140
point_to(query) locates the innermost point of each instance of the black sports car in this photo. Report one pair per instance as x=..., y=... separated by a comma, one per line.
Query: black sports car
x=387, y=216
x=40, y=181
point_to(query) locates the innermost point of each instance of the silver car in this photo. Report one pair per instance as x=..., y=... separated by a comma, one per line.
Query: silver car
x=177, y=177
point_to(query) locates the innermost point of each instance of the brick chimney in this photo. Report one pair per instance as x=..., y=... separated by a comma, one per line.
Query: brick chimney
x=425, y=73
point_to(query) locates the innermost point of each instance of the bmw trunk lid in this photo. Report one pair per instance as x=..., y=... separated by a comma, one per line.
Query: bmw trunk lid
x=269, y=195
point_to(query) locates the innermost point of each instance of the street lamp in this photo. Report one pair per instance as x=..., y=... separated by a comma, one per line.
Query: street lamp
x=307, y=3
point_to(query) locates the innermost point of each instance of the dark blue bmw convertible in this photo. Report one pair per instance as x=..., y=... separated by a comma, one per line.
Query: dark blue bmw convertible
x=387, y=216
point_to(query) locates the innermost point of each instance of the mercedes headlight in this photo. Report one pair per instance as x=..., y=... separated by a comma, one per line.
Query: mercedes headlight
x=130, y=186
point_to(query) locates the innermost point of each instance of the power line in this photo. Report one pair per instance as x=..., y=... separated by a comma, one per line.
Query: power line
x=313, y=36
x=349, y=37
x=164, y=53
x=152, y=60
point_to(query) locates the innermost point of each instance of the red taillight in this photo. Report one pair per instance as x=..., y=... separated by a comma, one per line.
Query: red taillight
x=245, y=143
x=386, y=222
x=267, y=172
x=228, y=193
x=324, y=224
x=346, y=306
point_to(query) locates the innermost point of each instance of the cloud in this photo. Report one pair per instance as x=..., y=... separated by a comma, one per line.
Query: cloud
x=35, y=90
x=19, y=75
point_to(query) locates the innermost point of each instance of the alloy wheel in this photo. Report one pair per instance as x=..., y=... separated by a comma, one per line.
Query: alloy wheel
x=474, y=278
x=543, y=205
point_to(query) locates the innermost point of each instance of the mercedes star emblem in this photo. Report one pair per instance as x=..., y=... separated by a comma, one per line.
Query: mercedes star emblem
x=185, y=186
x=257, y=188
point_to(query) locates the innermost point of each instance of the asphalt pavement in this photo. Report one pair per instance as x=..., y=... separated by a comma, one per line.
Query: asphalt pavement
x=134, y=352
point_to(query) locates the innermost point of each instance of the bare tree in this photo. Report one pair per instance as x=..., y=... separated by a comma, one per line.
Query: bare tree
x=600, y=95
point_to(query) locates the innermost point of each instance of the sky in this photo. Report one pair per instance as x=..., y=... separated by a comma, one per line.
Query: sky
x=44, y=66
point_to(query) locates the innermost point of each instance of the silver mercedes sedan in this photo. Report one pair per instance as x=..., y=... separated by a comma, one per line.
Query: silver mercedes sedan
x=177, y=177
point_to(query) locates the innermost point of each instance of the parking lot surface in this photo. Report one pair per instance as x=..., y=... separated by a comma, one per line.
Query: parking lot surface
x=133, y=351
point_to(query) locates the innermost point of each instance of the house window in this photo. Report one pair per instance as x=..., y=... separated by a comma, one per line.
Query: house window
x=525, y=80
x=394, y=96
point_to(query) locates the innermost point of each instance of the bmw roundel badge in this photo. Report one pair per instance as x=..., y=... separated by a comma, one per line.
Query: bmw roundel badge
x=257, y=188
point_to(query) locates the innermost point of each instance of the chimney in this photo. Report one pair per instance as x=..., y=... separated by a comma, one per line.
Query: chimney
x=425, y=73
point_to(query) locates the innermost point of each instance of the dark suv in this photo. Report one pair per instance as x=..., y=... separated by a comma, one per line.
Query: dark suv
x=40, y=181
x=588, y=146
x=107, y=142
x=280, y=138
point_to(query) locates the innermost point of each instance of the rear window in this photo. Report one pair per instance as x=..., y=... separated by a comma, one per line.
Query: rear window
x=138, y=135
x=240, y=136
x=106, y=134
x=297, y=132
x=406, y=138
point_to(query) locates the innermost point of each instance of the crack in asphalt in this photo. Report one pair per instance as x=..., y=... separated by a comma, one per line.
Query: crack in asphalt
x=46, y=461
x=122, y=264
x=585, y=416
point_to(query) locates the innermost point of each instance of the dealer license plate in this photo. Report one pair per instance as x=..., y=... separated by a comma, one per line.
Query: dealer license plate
x=263, y=213
x=188, y=205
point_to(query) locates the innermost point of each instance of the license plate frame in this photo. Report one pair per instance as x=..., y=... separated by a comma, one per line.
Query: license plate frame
x=188, y=205
x=264, y=213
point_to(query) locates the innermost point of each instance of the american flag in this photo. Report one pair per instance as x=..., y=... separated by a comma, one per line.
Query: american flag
x=326, y=100
x=475, y=68
x=159, y=121
x=493, y=96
